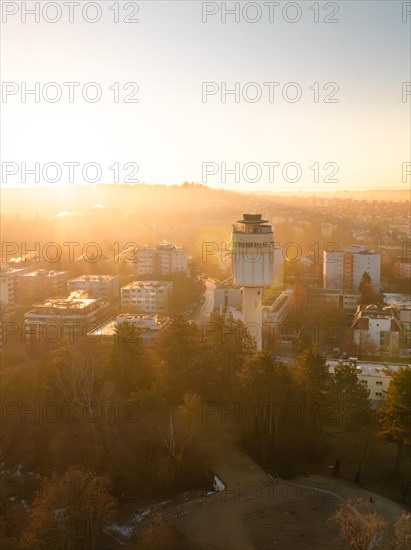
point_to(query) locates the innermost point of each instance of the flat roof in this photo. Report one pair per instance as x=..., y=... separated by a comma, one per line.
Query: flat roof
x=252, y=218
x=397, y=299
x=108, y=328
x=93, y=278
x=43, y=273
x=146, y=284
x=64, y=303
x=371, y=369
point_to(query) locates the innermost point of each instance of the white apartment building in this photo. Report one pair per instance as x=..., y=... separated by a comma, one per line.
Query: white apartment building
x=164, y=259
x=172, y=259
x=146, y=296
x=96, y=286
x=7, y=296
x=9, y=284
x=344, y=270
x=54, y=318
x=42, y=284
x=376, y=330
x=376, y=379
x=374, y=376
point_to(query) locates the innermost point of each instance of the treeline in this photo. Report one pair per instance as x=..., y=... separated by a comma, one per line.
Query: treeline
x=133, y=417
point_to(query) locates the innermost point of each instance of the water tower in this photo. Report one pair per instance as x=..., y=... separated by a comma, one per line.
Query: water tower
x=252, y=264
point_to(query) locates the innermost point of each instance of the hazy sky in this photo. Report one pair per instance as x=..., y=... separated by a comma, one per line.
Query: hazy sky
x=172, y=131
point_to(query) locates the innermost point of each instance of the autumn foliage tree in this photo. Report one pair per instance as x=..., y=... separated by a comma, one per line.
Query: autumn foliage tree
x=69, y=512
x=358, y=524
x=394, y=415
x=402, y=532
x=367, y=290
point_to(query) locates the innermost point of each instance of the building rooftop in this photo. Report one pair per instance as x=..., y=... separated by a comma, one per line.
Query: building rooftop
x=43, y=273
x=227, y=284
x=252, y=218
x=146, y=284
x=401, y=300
x=169, y=246
x=93, y=278
x=146, y=323
x=64, y=303
x=370, y=369
x=358, y=249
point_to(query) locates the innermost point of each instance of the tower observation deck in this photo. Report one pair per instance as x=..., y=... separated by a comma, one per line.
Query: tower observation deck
x=252, y=265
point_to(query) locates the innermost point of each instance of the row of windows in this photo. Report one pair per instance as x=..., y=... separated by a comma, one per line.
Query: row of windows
x=377, y=382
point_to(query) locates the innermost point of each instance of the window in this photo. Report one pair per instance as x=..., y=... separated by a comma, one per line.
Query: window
x=378, y=383
x=378, y=394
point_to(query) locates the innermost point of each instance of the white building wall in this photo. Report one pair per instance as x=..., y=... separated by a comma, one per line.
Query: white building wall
x=333, y=268
x=371, y=263
x=98, y=288
x=7, y=297
x=376, y=384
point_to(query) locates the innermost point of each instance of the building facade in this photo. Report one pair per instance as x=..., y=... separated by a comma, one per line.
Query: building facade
x=252, y=244
x=344, y=270
x=376, y=331
x=319, y=298
x=162, y=260
x=146, y=296
x=53, y=319
x=96, y=286
x=41, y=284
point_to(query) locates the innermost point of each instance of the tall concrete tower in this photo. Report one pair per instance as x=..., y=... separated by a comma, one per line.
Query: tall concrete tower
x=252, y=264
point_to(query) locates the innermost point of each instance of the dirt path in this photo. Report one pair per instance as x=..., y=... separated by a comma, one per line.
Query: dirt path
x=258, y=512
x=389, y=509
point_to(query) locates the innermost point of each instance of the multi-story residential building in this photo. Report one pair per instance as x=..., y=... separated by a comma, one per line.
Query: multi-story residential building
x=7, y=291
x=344, y=270
x=9, y=276
x=149, y=327
x=376, y=330
x=374, y=376
x=146, y=296
x=376, y=379
x=96, y=286
x=171, y=259
x=162, y=260
x=42, y=284
x=52, y=319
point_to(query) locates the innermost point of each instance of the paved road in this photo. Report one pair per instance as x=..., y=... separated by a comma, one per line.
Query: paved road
x=203, y=312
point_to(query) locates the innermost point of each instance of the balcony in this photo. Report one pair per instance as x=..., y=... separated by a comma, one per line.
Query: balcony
x=251, y=229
